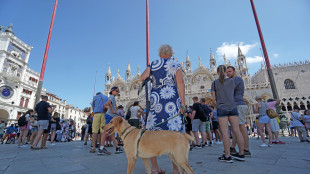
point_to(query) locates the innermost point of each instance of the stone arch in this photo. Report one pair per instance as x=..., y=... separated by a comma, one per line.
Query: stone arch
x=295, y=105
x=4, y=115
x=283, y=107
x=289, y=106
x=289, y=84
x=302, y=105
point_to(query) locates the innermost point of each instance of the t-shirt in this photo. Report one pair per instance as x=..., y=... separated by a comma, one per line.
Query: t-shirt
x=262, y=109
x=214, y=115
x=113, y=103
x=2, y=125
x=224, y=94
x=270, y=105
x=10, y=129
x=98, y=102
x=134, y=112
x=196, y=108
x=120, y=112
x=239, y=91
x=296, y=119
x=307, y=118
x=42, y=110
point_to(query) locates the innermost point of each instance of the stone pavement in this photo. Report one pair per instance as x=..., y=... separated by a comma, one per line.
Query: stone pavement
x=74, y=157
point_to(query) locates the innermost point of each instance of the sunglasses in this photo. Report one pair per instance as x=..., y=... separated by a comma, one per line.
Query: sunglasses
x=117, y=90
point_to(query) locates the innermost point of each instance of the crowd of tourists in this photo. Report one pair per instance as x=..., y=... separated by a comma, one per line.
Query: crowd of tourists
x=38, y=125
x=216, y=123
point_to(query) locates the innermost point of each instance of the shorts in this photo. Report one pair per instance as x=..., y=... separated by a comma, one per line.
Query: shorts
x=26, y=127
x=134, y=122
x=208, y=126
x=197, y=124
x=274, y=126
x=48, y=130
x=43, y=124
x=34, y=129
x=242, y=110
x=108, y=118
x=227, y=113
x=98, y=123
x=215, y=125
x=53, y=127
x=264, y=119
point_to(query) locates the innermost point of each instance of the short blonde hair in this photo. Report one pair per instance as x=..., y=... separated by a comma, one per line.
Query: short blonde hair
x=165, y=50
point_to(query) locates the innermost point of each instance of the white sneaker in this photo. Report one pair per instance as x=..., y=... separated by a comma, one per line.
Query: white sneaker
x=263, y=145
x=23, y=146
x=53, y=144
x=218, y=142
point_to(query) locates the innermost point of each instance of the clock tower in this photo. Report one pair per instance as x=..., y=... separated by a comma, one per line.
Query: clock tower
x=18, y=83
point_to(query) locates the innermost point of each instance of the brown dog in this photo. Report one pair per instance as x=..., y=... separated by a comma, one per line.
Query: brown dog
x=151, y=144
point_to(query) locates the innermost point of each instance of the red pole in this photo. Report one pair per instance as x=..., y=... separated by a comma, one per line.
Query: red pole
x=40, y=84
x=48, y=42
x=147, y=34
x=261, y=36
x=269, y=70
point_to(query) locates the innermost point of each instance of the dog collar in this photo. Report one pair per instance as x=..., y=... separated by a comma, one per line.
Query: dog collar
x=125, y=130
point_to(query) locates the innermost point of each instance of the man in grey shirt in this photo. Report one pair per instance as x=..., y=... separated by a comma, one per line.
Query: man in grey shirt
x=112, y=113
x=242, y=110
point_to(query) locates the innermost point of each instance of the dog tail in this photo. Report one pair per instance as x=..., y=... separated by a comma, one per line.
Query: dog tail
x=190, y=137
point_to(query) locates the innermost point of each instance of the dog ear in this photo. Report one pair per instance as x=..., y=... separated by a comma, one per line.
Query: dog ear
x=119, y=120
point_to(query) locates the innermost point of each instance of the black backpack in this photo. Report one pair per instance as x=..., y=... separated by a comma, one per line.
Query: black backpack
x=203, y=116
x=22, y=121
x=128, y=114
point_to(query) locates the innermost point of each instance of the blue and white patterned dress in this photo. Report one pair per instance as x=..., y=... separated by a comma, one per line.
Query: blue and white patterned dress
x=164, y=100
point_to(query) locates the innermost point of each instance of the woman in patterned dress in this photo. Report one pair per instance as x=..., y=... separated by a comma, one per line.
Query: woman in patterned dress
x=167, y=96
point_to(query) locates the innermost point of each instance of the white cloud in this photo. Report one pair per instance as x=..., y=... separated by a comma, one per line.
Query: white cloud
x=231, y=49
x=275, y=55
x=255, y=59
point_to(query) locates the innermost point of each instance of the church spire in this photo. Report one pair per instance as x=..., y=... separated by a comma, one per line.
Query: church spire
x=128, y=72
x=212, y=62
x=108, y=75
x=225, y=61
x=188, y=63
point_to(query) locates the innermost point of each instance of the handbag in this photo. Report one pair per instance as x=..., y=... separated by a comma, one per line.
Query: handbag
x=271, y=113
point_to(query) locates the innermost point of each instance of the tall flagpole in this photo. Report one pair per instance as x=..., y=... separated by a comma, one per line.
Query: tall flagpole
x=269, y=70
x=147, y=34
x=40, y=84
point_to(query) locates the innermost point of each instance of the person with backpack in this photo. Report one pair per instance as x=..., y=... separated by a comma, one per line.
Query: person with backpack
x=198, y=125
x=24, y=124
x=297, y=121
x=207, y=112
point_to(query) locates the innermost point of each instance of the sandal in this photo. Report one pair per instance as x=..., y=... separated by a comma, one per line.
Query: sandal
x=159, y=171
x=34, y=148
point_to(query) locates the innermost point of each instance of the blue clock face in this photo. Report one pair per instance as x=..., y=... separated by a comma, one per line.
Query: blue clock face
x=6, y=92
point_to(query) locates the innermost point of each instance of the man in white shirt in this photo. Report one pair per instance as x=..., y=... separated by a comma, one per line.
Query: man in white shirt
x=302, y=133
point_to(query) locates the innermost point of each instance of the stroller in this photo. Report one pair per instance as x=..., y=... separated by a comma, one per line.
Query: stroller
x=11, y=138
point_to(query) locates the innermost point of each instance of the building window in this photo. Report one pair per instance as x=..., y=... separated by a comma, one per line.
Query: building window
x=26, y=103
x=289, y=84
x=21, y=103
x=202, y=87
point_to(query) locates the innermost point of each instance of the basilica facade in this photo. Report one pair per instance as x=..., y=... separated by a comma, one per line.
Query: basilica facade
x=291, y=82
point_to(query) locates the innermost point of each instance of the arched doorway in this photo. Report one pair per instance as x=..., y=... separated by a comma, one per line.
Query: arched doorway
x=4, y=115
